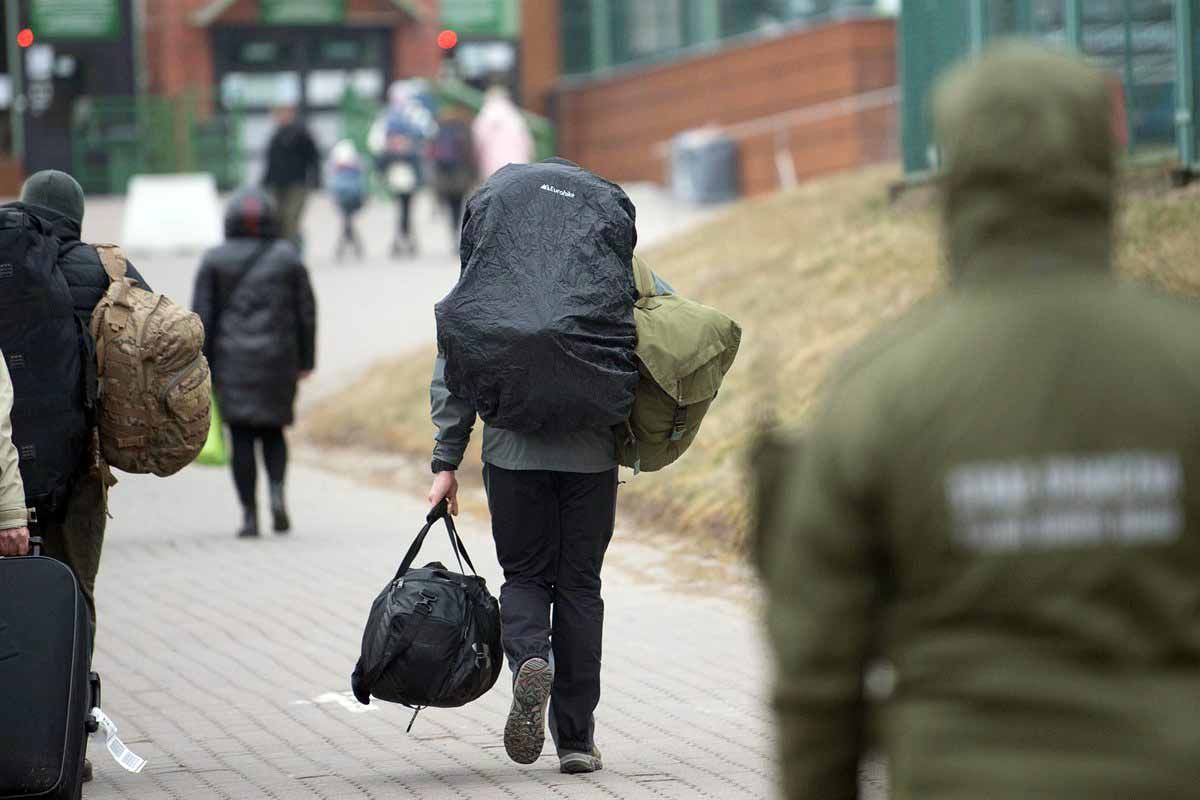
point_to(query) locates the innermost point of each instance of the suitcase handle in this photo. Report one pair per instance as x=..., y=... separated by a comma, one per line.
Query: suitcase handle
x=35, y=545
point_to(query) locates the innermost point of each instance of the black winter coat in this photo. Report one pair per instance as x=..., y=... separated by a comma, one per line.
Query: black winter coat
x=257, y=305
x=81, y=265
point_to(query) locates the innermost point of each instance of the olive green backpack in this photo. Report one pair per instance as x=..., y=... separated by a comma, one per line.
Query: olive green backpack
x=683, y=350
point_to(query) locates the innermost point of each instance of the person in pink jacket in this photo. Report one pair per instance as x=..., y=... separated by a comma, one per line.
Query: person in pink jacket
x=501, y=135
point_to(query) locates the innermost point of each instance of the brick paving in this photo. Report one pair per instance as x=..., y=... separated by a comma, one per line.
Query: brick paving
x=226, y=663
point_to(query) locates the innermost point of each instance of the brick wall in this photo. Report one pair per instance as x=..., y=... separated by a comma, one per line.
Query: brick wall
x=178, y=56
x=619, y=126
x=541, y=54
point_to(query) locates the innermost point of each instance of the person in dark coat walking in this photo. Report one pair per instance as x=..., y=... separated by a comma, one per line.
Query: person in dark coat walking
x=293, y=167
x=254, y=297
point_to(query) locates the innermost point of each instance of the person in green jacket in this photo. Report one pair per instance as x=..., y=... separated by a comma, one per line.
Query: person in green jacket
x=984, y=558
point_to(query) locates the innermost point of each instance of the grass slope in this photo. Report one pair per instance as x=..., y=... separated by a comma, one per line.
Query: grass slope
x=807, y=274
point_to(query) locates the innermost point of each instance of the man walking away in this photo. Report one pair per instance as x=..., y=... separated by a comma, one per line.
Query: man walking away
x=551, y=484
x=293, y=167
x=254, y=297
x=14, y=530
x=52, y=359
x=452, y=155
x=996, y=513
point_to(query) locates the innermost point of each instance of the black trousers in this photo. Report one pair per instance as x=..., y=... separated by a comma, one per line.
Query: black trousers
x=404, y=215
x=552, y=530
x=245, y=462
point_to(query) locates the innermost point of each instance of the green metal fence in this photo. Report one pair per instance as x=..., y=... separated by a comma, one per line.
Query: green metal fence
x=114, y=138
x=1142, y=42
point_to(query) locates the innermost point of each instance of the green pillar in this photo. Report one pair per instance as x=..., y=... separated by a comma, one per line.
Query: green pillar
x=1185, y=82
x=709, y=19
x=979, y=26
x=1024, y=16
x=1074, y=24
x=602, y=40
x=16, y=73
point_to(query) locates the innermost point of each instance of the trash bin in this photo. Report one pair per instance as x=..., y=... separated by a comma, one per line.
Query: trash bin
x=704, y=168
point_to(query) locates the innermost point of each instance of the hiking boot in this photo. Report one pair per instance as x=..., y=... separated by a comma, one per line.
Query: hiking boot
x=88, y=773
x=580, y=763
x=281, y=522
x=249, y=528
x=525, y=731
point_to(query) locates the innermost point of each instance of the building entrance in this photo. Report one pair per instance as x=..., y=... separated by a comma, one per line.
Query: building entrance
x=313, y=69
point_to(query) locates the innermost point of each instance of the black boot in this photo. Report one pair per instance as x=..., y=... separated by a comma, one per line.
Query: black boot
x=283, y=523
x=249, y=523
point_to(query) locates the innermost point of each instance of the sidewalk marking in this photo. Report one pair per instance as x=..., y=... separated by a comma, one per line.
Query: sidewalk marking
x=345, y=700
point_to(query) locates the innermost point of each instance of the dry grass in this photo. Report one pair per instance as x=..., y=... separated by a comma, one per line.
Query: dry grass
x=807, y=273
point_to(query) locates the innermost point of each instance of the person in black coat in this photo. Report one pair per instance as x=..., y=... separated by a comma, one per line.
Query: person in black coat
x=293, y=166
x=254, y=297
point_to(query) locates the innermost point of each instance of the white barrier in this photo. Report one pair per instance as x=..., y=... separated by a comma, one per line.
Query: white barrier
x=172, y=213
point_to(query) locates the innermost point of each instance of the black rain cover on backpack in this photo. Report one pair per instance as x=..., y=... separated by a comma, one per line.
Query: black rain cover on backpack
x=43, y=342
x=538, y=334
x=433, y=636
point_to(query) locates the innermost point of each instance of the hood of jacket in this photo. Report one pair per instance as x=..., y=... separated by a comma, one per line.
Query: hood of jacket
x=251, y=214
x=66, y=229
x=1029, y=164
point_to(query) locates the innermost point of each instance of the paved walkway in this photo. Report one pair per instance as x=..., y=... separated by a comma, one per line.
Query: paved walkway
x=227, y=663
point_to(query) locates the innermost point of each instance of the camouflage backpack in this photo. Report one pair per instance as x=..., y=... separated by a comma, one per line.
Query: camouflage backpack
x=154, y=401
x=683, y=351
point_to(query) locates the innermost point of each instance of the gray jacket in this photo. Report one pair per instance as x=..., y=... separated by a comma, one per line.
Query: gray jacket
x=587, y=451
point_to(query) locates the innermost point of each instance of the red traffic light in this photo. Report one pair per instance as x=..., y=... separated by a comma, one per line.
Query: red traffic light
x=447, y=40
x=25, y=37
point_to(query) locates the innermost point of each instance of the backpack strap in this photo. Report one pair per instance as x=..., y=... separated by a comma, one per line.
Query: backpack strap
x=116, y=267
x=117, y=316
x=113, y=259
x=643, y=278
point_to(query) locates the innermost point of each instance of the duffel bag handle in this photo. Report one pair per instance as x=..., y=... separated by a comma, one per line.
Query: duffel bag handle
x=439, y=512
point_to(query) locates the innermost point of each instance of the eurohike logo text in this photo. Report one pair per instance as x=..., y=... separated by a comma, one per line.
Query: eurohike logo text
x=548, y=188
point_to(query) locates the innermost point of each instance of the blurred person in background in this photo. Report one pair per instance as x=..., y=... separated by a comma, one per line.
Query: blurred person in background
x=293, y=167
x=452, y=158
x=255, y=300
x=501, y=134
x=397, y=140
x=987, y=550
x=349, y=187
x=14, y=530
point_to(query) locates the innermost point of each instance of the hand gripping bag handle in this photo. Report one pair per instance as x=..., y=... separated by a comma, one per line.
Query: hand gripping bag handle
x=439, y=512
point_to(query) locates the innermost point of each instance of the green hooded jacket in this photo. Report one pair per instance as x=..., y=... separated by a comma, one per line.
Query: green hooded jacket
x=998, y=505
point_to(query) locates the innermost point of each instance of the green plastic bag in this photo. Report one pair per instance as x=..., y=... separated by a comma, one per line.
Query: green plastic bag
x=214, y=452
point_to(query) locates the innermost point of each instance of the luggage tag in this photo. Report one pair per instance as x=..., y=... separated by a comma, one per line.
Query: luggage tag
x=126, y=758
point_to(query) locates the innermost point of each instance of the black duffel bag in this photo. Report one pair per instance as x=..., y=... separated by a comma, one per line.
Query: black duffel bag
x=433, y=636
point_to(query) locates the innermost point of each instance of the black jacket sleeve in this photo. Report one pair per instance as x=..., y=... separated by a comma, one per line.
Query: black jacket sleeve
x=131, y=272
x=204, y=303
x=306, y=319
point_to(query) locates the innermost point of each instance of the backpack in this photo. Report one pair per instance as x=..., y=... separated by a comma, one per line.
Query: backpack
x=451, y=148
x=153, y=401
x=433, y=636
x=538, y=334
x=684, y=350
x=48, y=354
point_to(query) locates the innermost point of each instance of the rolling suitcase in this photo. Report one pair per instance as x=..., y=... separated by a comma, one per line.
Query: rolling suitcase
x=46, y=689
